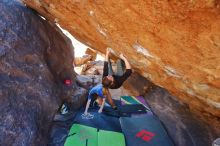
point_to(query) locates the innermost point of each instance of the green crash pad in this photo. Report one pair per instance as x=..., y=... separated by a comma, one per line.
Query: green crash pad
x=133, y=100
x=109, y=138
x=129, y=100
x=81, y=135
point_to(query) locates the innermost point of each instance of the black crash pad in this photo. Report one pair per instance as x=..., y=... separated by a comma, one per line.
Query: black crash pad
x=132, y=109
x=125, y=110
x=115, y=113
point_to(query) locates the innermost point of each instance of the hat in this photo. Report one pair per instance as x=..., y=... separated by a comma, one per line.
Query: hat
x=67, y=82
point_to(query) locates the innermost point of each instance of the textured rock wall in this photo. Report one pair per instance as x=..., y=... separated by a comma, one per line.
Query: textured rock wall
x=34, y=58
x=175, y=44
x=185, y=127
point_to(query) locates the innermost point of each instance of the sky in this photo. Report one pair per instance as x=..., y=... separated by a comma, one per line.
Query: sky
x=80, y=48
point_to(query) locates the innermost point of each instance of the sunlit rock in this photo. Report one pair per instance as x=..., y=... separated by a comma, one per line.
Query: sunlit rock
x=175, y=44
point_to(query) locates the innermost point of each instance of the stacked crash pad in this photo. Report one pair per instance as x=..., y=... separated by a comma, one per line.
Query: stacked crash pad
x=135, y=124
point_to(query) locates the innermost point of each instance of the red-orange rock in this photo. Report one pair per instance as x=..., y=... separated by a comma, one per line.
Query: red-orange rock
x=175, y=44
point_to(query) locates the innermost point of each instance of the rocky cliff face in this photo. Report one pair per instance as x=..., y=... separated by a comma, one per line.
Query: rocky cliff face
x=175, y=44
x=35, y=57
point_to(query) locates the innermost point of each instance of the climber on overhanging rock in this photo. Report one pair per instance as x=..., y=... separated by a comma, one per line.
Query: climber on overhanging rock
x=111, y=80
x=115, y=80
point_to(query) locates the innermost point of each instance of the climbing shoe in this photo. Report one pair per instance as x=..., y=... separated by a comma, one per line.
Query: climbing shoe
x=216, y=142
x=64, y=109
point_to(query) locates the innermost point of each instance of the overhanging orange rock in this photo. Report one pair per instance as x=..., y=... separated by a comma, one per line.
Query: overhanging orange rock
x=175, y=44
